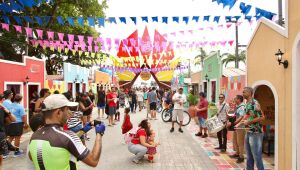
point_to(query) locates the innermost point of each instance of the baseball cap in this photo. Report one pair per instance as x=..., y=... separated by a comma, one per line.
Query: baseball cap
x=180, y=88
x=56, y=101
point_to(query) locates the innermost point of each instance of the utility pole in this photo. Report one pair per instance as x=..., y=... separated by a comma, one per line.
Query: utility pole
x=280, y=18
x=236, y=42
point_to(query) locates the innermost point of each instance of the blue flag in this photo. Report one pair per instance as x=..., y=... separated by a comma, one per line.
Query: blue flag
x=60, y=20
x=122, y=19
x=91, y=21
x=80, y=21
x=145, y=19
x=70, y=21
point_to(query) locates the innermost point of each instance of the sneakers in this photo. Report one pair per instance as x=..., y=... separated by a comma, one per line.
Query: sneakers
x=240, y=160
x=234, y=156
x=180, y=130
x=18, y=153
x=135, y=161
x=198, y=134
x=205, y=135
x=172, y=130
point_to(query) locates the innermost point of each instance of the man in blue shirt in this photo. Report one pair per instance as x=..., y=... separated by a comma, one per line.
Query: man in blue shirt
x=8, y=95
x=152, y=99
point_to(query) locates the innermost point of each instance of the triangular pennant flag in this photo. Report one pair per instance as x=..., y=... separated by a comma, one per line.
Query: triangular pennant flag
x=185, y=19
x=18, y=28
x=28, y=32
x=217, y=19
x=176, y=19
x=80, y=21
x=196, y=18
x=60, y=36
x=101, y=21
x=39, y=33
x=50, y=35
x=165, y=20
x=206, y=18
x=154, y=19
x=70, y=21
x=133, y=20
x=122, y=19
x=145, y=19
x=112, y=20
x=18, y=20
x=38, y=20
x=91, y=21
x=60, y=20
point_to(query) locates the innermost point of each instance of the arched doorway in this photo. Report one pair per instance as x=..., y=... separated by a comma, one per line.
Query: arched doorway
x=295, y=102
x=267, y=97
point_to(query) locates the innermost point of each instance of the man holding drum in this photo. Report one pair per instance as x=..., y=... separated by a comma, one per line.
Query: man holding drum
x=223, y=109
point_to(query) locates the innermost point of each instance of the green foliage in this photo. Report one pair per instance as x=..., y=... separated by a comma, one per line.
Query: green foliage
x=231, y=57
x=192, y=99
x=199, y=57
x=13, y=45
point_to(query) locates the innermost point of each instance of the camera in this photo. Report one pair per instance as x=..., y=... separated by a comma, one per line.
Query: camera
x=97, y=122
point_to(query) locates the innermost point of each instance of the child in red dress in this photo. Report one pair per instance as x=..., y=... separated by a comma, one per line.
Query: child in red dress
x=127, y=125
x=151, y=150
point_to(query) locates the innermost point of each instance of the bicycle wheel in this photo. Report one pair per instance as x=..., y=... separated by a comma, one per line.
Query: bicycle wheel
x=166, y=115
x=186, y=119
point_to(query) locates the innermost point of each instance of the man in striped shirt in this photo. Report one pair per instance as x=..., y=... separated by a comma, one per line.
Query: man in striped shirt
x=51, y=141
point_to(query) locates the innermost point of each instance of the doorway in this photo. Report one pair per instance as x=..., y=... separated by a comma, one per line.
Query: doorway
x=205, y=87
x=77, y=87
x=16, y=88
x=213, y=91
x=32, y=97
x=264, y=95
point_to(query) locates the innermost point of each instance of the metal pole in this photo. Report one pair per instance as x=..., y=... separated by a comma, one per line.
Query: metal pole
x=280, y=18
x=236, y=45
x=189, y=68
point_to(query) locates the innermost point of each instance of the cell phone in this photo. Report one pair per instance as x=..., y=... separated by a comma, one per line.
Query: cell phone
x=97, y=122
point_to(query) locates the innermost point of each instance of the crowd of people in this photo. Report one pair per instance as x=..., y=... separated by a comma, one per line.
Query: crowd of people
x=68, y=118
x=245, y=120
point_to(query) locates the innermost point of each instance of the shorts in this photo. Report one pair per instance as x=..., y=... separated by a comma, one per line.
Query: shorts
x=14, y=129
x=153, y=106
x=77, y=128
x=87, y=113
x=202, y=122
x=177, y=113
x=112, y=111
x=101, y=105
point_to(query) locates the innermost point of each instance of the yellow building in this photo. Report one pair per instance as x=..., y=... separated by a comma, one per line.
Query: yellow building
x=278, y=88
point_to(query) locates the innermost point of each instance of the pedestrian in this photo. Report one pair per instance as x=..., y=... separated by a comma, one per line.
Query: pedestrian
x=254, y=136
x=179, y=99
x=133, y=101
x=152, y=150
x=39, y=103
x=34, y=98
x=146, y=91
x=112, y=104
x=50, y=141
x=15, y=129
x=138, y=145
x=86, y=106
x=117, y=115
x=239, y=134
x=5, y=116
x=202, y=108
x=8, y=96
x=91, y=95
x=140, y=98
x=152, y=99
x=101, y=101
x=223, y=109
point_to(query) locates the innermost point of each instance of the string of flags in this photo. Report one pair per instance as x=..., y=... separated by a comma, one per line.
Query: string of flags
x=100, y=21
x=78, y=43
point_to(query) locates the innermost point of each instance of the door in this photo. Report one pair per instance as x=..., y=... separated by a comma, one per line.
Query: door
x=205, y=87
x=77, y=87
x=213, y=91
x=32, y=97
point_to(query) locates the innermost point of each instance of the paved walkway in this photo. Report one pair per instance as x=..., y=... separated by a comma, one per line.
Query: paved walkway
x=177, y=151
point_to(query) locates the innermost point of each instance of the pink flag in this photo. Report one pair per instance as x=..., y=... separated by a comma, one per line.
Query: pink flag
x=46, y=43
x=61, y=36
x=228, y=25
x=231, y=42
x=76, y=47
x=191, y=31
x=90, y=40
x=108, y=41
x=76, y=42
x=80, y=38
x=211, y=28
x=223, y=43
x=220, y=26
x=50, y=35
x=39, y=33
x=96, y=48
x=28, y=32
x=165, y=35
x=174, y=34
x=18, y=28
x=201, y=29
x=117, y=42
x=71, y=38
x=103, y=47
x=182, y=32
x=41, y=43
x=90, y=48
x=125, y=42
x=5, y=26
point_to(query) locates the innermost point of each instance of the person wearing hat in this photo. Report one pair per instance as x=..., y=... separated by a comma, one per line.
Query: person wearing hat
x=179, y=99
x=51, y=147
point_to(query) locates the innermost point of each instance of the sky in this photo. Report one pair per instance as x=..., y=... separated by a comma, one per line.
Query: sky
x=170, y=8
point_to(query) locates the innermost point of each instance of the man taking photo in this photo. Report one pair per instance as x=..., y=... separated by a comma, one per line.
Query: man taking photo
x=179, y=99
x=52, y=148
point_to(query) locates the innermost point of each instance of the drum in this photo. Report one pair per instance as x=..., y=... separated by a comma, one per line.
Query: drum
x=214, y=125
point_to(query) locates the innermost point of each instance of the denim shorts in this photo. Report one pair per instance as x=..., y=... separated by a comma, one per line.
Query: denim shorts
x=76, y=128
x=202, y=122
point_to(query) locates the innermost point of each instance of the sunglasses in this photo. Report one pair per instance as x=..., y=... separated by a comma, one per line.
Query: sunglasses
x=221, y=97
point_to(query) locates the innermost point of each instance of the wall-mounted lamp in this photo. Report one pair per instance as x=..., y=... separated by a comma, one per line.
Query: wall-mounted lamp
x=206, y=78
x=279, y=55
x=26, y=80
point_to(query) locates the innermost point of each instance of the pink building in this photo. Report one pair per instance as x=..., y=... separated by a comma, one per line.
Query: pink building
x=24, y=78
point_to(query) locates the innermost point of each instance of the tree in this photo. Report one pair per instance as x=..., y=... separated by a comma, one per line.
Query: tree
x=231, y=58
x=200, y=57
x=13, y=45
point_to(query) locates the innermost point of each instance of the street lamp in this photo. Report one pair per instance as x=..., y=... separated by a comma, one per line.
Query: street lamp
x=206, y=78
x=279, y=55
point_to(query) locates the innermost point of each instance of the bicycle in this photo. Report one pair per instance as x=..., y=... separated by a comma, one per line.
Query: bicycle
x=166, y=116
x=159, y=107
